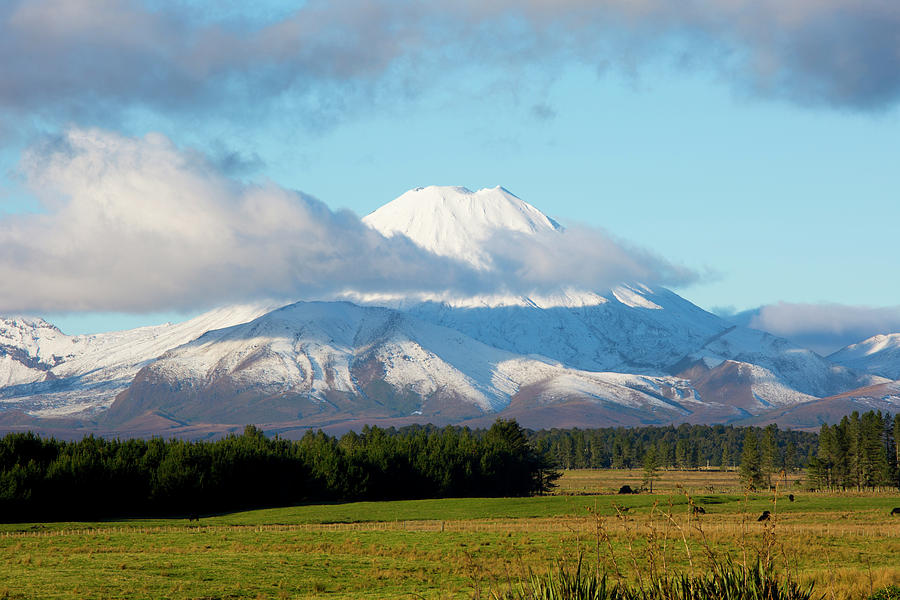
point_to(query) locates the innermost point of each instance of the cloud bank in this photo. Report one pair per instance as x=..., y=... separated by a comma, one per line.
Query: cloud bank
x=137, y=224
x=71, y=59
x=824, y=328
x=580, y=256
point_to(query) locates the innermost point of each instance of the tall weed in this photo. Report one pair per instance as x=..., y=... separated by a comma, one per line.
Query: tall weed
x=721, y=579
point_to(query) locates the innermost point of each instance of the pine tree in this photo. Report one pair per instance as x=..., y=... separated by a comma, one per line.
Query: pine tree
x=662, y=452
x=651, y=466
x=896, y=451
x=693, y=457
x=816, y=474
x=838, y=451
x=750, y=471
x=897, y=437
x=873, y=466
x=682, y=454
x=580, y=458
x=854, y=450
x=827, y=455
x=599, y=459
x=565, y=455
x=666, y=454
x=790, y=457
x=768, y=453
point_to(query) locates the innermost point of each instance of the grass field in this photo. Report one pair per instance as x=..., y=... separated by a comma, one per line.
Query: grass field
x=453, y=548
x=608, y=481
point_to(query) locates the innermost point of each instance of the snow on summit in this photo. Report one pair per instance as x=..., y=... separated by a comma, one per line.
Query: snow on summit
x=878, y=355
x=457, y=222
x=608, y=350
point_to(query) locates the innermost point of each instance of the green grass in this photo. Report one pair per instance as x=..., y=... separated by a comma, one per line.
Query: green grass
x=451, y=509
x=434, y=548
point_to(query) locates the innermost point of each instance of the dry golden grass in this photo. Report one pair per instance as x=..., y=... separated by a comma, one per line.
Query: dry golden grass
x=701, y=481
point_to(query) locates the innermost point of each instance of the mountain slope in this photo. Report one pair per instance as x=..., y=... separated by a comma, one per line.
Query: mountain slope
x=785, y=365
x=648, y=332
x=317, y=362
x=48, y=373
x=633, y=354
x=628, y=329
x=811, y=415
x=878, y=355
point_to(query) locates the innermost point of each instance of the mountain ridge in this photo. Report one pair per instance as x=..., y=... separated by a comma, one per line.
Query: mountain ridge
x=878, y=355
x=631, y=355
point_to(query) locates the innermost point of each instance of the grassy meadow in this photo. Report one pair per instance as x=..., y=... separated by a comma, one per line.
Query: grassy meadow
x=702, y=481
x=459, y=548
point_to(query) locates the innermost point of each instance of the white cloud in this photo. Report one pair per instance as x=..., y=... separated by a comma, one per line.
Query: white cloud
x=139, y=225
x=585, y=256
x=824, y=327
x=136, y=224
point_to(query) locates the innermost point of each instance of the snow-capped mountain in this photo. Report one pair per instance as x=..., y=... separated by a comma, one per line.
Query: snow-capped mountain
x=878, y=355
x=48, y=373
x=782, y=372
x=627, y=355
x=321, y=361
x=456, y=222
x=811, y=415
x=630, y=328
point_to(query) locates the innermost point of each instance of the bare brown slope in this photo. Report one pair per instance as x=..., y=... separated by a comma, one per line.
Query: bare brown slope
x=728, y=384
x=812, y=415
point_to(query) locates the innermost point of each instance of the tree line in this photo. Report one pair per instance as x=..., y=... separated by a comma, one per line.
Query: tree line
x=48, y=479
x=761, y=458
x=861, y=452
x=670, y=447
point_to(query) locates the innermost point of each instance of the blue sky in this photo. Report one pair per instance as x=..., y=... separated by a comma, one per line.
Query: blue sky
x=762, y=163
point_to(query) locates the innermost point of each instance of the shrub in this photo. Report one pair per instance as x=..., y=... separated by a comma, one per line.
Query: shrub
x=890, y=592
x=725, y=581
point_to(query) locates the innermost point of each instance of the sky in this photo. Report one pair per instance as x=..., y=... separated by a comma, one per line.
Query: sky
x=160, y=158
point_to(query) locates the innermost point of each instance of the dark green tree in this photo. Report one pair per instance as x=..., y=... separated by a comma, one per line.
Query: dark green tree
x=750, y=469
x=790, y=457
x=896, y=451
x=510, y=465
x=873, y=461
x=651, y=466
x=768, y=452
x=682, y=454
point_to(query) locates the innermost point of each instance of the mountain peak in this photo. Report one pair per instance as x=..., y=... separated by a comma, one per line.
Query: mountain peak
x=456, y=222
x=878, y=355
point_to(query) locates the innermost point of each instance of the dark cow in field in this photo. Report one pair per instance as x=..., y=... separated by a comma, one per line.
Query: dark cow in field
x=896, y=511
x=791, y=497
x=193, y=517
x=626, y=489
x=698, y=510
x=764, y=516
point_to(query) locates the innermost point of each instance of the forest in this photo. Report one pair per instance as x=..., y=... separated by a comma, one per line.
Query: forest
x=47, y=479
x=860, y=452
x=682, y=447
